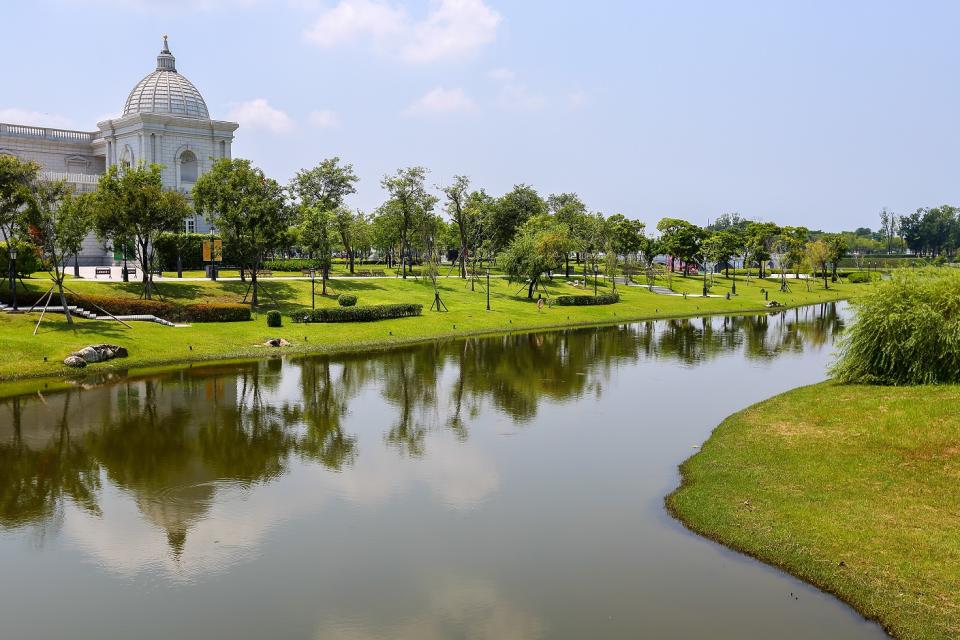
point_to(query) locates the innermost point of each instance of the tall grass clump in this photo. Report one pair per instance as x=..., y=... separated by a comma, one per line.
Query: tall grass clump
x=907, y=331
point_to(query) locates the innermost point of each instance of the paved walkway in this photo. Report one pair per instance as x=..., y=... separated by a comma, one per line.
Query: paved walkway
x=663, y=291
x=116, y=274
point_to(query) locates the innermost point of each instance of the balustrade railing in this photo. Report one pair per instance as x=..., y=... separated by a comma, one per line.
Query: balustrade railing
x=75, y=178
x=47, y=133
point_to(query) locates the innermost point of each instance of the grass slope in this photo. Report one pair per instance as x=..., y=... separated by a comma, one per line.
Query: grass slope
x=151, y=344
x=851, y=488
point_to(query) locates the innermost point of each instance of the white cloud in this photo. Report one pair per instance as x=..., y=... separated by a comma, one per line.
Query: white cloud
x=13, y=115
x=258, y=114
x=452, y=28
x=514, y=95
x=324, y=119
x=518, y=97
x=354, y=19
x=440, y=101
x=501, y=75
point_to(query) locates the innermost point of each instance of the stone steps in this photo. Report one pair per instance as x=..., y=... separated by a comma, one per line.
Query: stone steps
x=80, y=312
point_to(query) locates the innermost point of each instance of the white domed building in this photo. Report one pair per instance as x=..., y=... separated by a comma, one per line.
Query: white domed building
x=165, y=121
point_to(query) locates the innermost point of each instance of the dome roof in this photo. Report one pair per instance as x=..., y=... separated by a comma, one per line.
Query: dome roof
x=166, y=91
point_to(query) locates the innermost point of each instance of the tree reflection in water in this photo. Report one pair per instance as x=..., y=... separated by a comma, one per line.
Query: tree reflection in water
x=170, y=441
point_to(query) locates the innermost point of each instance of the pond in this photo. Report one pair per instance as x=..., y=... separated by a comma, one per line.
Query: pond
x=505, y=487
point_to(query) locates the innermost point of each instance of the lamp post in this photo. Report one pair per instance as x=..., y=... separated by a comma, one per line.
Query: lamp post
x=13, y=274
x=313, y=289
x=488, y=288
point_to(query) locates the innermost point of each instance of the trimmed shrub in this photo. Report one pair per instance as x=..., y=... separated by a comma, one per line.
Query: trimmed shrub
x=861, y=277
x=347, y=299
x=28, y=261
x=581, y=301
x=907, y=331
x=129, y=306
x=358, y=314
x=274, y=319
x=288, y=264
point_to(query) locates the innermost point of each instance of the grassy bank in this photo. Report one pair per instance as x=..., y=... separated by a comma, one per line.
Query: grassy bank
x=851, y=488
x=151, y=344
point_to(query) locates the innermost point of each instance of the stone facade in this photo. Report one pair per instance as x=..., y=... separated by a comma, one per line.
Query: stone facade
x=165, y=121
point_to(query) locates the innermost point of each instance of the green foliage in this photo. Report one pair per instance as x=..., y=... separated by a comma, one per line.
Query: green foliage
x=28, y=260
x=581, y=301
x=289, y=264
x=358, y=314
x=540, y=246
x=274, y=319
x=347, y=300
x=907, y=331
x=190, y=246
x=861, y=277
x=128, y=305
x=510, y=212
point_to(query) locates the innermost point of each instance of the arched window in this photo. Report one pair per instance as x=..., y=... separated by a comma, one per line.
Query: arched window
x=126, y=158
x=188, y=168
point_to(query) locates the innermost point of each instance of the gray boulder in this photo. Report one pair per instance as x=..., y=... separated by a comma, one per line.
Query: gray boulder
x=75, y=361
x=99, y=353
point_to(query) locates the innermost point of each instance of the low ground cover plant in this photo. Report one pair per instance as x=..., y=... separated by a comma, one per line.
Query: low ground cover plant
x=370, y=313
x=580, y=301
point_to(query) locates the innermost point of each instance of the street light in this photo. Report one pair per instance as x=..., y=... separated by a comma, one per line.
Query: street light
x=13, y=275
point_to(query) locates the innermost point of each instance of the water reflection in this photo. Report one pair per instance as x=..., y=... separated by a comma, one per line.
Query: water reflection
x=176, y=443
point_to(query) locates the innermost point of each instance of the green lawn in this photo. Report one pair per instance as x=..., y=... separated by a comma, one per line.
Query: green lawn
x=151, y=344
x=851, y=488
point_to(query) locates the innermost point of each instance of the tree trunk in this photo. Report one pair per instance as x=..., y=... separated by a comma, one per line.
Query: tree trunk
x=63, y=299
x=76, y=265
x=350, y=253
x=533, y=283
x=253, y=281
x=179, y=265
x=326, y=272
x=568, y=265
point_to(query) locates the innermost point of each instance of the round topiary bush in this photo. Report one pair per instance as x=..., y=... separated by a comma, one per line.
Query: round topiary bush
x=347, y=299
x=907, y=331
x=274, y=319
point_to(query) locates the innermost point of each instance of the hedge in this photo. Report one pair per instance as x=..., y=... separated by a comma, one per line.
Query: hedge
x=580, y=301
x=274, y=319
x=358, y=314
x=127, y=306
x=289, y=264
x=347, y=300
x=861, y=277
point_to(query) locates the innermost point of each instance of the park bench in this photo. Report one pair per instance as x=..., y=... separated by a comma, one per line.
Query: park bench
x=157, y=272
x=131, y=271
x=265, y=273
x=101, y=271
x=307, y=272
x=379, y=272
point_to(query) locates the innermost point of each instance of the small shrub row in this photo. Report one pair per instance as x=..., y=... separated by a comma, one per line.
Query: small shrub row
x=370, y=313
x=347, y=300
x=861, y=277
x=128, y=306
x=288, y=264
x=580, y=301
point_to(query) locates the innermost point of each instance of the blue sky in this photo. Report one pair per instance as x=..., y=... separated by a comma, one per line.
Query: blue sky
x=814, y=113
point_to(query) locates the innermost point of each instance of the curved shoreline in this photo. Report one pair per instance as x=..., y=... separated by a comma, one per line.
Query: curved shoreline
x=812, y=491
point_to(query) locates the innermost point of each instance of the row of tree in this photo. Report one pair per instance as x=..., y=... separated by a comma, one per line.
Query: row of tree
x=529, y=236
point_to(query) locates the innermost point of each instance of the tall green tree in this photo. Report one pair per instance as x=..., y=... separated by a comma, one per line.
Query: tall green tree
x=465, y=218
x=510, y=212
x=132, y=205
x=58, y=222
x=538, y=248
x=17, y=181
x=681, y=240
x=838, y=250
x=250, y=210
x=570, y=210
x=409, y=203
x=327, y=186
x=760, y=237
x=314, y=227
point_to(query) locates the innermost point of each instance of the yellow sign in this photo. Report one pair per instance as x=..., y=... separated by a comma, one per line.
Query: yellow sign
x=216, y=255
